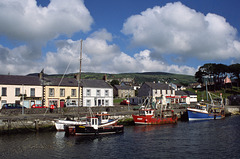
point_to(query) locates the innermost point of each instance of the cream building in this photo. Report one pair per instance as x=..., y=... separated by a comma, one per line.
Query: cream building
x=61, y=92
x=13, y=88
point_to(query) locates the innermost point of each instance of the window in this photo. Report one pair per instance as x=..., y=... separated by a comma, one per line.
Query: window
x=62, y=92
x=4, y=91
x=32, y=93
x=51, y=92
x=88, y=92
x=98, y=92
x=73, y=93
x=17, y=92
x=4, y=102
x=88, y=103
x=106, y=93
x=106, y=103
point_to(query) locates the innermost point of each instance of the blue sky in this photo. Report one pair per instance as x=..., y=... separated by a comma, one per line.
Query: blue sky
x=118, y=36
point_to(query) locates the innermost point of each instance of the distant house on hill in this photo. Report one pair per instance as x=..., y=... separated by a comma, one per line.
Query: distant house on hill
x=196, y=85
x=177, y=87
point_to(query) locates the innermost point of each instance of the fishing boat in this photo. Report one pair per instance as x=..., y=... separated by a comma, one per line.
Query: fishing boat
x=206, y=111
x=100, y=124
x=150, y=116
x=59, y=124
x=147, y=115
x=103, y=117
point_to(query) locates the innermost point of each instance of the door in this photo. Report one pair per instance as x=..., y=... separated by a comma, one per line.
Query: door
x=62, y=102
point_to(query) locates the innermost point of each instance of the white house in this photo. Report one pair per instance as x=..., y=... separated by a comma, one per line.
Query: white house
x=96, y=93
x=161, y=93
x=13, y=88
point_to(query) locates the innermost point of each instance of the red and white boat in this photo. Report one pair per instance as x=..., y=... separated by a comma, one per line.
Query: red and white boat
x=150, y=116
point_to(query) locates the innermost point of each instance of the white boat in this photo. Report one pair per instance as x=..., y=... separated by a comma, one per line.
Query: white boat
x=59, y=124
x=103, y=120
x=95, y=125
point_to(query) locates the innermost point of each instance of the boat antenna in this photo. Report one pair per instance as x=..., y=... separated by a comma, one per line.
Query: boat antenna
x=79, y=78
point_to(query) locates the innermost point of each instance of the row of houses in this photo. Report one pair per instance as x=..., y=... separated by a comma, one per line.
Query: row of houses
x=61, y=92
x=163, y=94
x=29, y=90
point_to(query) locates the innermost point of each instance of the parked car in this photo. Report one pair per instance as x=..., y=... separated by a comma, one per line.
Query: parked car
x=38, y=106
x=125, y=102
x=12, y=106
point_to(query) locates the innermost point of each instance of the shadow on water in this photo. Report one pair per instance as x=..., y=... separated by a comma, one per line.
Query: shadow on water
x=87, y=139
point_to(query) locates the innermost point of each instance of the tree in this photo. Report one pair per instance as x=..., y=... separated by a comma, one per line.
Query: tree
x=114, y=82
x=234, y=69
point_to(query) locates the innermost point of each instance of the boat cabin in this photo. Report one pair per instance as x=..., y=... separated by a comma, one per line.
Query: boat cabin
x=92, y=121
x=201, y=107
x=103, y=117
x=146, y=112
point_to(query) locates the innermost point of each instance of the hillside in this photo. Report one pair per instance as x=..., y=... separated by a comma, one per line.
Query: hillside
x=139, y=77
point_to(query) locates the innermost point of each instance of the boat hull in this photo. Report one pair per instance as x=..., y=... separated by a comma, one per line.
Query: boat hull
x=150, y=120
x=59, y=124
x=81, y=130
x=194, y=115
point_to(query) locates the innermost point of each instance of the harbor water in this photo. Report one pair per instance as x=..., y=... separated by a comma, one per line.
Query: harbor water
x=208, y=139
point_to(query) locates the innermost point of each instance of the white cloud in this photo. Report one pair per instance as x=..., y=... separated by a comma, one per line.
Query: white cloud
x=98, y=56
x=14, y=61
x=177, y=29
x=35, y=25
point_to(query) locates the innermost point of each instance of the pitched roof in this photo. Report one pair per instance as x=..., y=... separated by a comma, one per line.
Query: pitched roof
x=60, y=81
x=158, y=85
x=95, y=83
x=123, y=87
x=182, y=93
x=19, y=80
x=190, y=93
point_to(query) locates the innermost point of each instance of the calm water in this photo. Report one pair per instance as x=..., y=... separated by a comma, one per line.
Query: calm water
x=209, y=139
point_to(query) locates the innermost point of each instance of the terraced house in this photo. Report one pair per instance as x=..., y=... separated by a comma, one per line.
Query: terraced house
x=24, y=90
x=61, y=92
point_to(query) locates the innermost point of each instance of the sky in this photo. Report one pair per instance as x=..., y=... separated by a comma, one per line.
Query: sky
x=118, y=36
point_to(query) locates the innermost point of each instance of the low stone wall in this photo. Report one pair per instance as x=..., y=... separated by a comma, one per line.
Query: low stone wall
x=66, y=110
x=232, y=109
x=18, y=125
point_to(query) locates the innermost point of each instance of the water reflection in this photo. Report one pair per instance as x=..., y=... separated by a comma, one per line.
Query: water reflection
x=211, y=139
x=149, y=128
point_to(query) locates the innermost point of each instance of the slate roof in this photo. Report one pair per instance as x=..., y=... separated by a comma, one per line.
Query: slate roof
x=124, y=87
x=71, y=82
x=190, y=93
x=182, y=93
x=158, y=85
x=19, y=80
x=95, y=83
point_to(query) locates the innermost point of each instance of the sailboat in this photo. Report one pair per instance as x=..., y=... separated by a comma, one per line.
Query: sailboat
x=97, y=124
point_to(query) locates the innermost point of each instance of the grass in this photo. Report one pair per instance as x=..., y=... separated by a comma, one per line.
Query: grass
x=118, y=100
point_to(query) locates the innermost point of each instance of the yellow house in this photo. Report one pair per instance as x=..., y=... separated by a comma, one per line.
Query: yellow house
x=61, y=92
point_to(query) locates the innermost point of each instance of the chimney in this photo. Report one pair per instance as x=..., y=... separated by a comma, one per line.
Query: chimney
x=105, y=78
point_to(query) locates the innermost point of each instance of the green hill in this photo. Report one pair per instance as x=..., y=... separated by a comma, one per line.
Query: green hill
x=139, y=77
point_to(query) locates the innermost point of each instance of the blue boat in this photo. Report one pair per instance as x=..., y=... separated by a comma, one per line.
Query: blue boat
x=215, y=110
x=205, y=112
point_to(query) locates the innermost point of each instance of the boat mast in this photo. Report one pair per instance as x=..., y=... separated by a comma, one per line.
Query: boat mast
x=79, y=79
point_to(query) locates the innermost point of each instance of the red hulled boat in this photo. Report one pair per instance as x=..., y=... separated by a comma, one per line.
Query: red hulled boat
x=150, y=116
